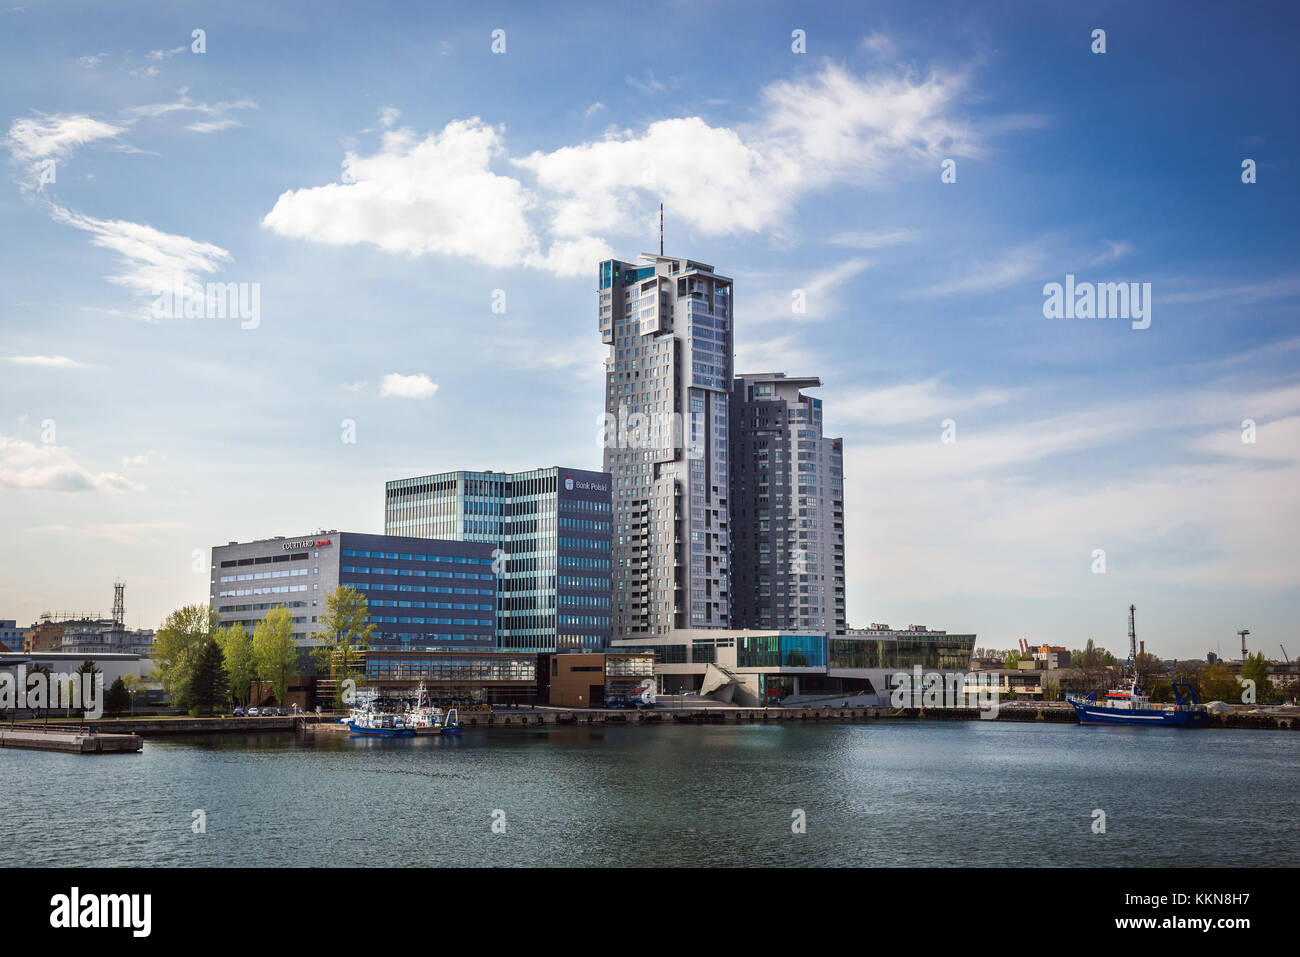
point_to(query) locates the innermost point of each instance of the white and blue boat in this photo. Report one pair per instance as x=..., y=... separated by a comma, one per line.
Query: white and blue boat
x=1132, y=705
x=367, y=720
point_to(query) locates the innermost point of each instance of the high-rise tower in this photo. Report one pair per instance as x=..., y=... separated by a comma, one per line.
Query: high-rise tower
x=668, y=323
x=787, y=506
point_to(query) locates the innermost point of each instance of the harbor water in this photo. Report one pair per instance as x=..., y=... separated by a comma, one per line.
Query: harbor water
x=885, y=793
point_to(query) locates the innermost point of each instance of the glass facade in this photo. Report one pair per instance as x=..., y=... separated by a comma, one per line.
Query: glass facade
x=781, y=651
x=454, y=668
x=934, y=651
x=550, y=529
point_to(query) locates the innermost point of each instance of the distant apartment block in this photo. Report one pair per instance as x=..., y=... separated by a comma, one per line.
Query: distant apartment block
x=787, y=508
x=549, y=530
x=668, y=325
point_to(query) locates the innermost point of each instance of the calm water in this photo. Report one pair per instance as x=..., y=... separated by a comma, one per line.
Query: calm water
x=889, y=793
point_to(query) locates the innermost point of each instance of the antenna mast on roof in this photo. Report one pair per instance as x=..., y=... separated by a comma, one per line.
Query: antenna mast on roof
x=661, y=229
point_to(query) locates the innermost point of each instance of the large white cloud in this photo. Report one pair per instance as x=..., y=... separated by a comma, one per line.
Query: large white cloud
x=416, y=196
x=443, y=193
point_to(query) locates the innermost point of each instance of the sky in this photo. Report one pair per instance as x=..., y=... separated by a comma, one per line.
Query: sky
x=412, y=200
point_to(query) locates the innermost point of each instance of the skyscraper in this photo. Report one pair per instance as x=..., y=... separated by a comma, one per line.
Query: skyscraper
x=551, y=529
x=668, y=325
x=787, y=505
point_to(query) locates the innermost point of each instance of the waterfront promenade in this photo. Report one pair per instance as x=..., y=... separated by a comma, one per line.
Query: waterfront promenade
x=329, y=723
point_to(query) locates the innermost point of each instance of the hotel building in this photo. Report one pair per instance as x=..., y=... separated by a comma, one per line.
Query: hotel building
x=422, y=593
x=549, y=531
x=787, y=508
x=668, y=325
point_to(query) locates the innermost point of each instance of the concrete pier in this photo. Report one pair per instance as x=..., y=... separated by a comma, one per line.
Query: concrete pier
x=73, y=740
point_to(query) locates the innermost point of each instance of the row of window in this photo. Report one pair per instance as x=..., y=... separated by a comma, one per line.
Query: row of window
x=264, y=590
x=253, y=576
x=415, y=557
x=414, y=573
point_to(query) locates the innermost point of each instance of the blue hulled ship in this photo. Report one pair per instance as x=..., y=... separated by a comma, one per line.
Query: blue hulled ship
x=1132, y=705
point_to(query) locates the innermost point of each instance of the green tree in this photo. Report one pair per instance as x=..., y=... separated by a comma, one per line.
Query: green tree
x=1218, y=682
x=344, y=633
x=274, y=650
x=177, y=647
x=1160, y=692
x=1255, y=668
x=237, y=651
x=210, y=683
x=117, y=699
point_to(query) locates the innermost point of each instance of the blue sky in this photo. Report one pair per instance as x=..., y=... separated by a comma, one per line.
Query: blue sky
x=381, y=173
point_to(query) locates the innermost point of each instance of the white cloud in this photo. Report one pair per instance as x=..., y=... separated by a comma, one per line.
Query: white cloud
x=775, y=354
x=646, y=82
x=418, y=386
x=1012, y=266
x=124, y=533
x=439, y=194
x=874, y=239
x=135, y=461
x=92, y=61
x=47, y=362
x=55, y=136
x=921, y=401
x=212, y=126
x=419, y=196
x=216, y=113
x=153, y=259
x=772, y=298
x=594, y=108
x=991, y=515
x=24, y=465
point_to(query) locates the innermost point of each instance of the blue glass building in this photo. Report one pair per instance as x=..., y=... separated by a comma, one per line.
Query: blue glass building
x=549, y=532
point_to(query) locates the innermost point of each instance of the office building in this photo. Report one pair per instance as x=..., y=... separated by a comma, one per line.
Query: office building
x=787, y=508
x=421, y=593
x=668, y=325
x=549, y=530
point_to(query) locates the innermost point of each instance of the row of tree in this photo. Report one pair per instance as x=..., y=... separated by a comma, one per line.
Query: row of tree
x=203, y=665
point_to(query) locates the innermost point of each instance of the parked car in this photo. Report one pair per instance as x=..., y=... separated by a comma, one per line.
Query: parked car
x=283, y=712
x=252, y=712
x=239, y=712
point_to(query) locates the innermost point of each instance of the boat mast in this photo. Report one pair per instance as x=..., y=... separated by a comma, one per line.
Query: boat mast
x=1132, y=644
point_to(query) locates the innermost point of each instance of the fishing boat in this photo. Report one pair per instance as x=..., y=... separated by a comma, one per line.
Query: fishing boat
x=1132, y=705
x=380, y=724
x=366, y=719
